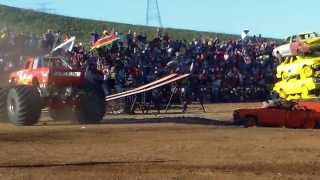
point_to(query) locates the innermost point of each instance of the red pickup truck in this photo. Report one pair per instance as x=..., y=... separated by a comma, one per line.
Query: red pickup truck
x=293, y=116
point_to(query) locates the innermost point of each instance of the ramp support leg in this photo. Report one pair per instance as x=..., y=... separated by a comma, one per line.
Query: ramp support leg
x=169, y=102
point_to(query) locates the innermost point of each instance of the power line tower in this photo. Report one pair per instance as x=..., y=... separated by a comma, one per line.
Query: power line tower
x=153, y=14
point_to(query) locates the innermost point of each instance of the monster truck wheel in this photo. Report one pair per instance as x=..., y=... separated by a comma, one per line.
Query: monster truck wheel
x=250, y=121
x=3, y=104
x=23, y=105
x=306, y=72
x=91, y=108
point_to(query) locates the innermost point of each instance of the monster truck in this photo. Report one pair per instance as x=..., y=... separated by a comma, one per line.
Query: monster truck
x=51, y=83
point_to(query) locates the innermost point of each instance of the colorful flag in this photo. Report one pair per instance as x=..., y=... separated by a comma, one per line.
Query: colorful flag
x=107, y=40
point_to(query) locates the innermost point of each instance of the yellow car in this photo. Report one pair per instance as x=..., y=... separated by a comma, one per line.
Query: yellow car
x=299, y=66
x=298, y=88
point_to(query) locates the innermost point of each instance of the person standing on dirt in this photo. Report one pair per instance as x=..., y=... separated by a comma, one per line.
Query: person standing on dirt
x=201, y=88
x=156, y=94
x=184, y=87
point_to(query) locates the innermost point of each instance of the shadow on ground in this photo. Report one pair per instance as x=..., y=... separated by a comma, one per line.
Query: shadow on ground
x=156, y=120
x=178, y=120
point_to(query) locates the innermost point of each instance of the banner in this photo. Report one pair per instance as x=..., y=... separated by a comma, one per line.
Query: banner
x=105, y=41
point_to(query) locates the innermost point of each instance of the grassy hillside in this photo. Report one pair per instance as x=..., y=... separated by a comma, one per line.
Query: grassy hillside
x=23, y=20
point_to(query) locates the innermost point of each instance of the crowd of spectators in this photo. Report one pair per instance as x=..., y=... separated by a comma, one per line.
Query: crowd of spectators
x=226, y=71
x=14, y=47
x=234, y=70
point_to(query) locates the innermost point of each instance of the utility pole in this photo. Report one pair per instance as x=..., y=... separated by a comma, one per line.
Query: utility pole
x=153, y=16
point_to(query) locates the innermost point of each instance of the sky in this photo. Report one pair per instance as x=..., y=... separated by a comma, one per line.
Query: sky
x=271, y=18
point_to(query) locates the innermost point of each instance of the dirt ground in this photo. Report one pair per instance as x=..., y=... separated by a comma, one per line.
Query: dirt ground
x=176, y=146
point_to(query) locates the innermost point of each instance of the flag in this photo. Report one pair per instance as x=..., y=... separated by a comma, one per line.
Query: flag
x=107, y=40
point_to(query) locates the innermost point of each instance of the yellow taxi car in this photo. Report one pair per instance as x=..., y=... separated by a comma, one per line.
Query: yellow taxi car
x=294, y=89
x=299, y=66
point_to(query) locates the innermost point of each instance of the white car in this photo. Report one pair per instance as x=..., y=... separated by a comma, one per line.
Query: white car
x=298, y=44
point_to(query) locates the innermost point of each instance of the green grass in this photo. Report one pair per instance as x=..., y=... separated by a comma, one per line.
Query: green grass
x=24, y=20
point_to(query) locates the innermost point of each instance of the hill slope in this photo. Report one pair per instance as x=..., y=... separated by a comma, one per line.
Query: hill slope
x=24, y=20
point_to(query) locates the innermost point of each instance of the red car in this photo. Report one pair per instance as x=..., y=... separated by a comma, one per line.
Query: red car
x=293, y=116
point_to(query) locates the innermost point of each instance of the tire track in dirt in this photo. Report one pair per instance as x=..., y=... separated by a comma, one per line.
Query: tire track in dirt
x=82, y=163
x=164, y=166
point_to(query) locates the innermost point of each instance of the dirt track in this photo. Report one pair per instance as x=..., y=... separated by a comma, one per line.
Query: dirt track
x=149, y=147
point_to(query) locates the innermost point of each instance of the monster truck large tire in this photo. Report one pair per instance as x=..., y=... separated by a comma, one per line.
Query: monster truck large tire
x=92, y=107
x=3, y=104
x=23, y=105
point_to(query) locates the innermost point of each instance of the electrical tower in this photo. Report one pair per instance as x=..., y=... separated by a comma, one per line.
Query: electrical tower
x=153, y=17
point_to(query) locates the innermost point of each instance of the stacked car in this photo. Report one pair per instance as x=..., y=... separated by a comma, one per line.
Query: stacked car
x=299, y=71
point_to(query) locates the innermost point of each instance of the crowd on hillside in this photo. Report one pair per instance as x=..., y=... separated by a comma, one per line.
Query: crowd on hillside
x=225, y=71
